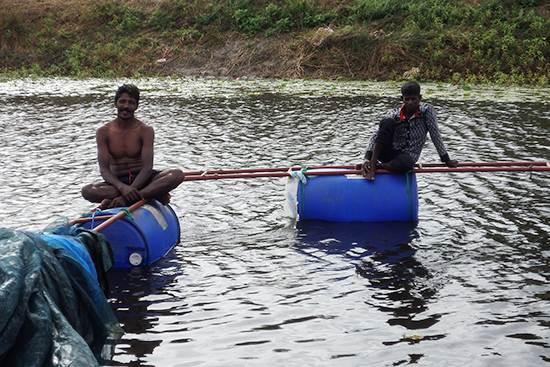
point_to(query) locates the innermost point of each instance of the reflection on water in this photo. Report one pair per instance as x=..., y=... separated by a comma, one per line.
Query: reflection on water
x=465, y=285
x=382, y=253
x=133, y=294
x=345, y=237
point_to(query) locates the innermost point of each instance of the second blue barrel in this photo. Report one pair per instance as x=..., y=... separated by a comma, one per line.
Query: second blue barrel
x=145, y=237
x=350, y=197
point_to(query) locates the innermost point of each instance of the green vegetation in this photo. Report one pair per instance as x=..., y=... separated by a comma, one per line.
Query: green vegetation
x=469, y=41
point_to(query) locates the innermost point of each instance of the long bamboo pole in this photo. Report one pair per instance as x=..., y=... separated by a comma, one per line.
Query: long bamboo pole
x=259, y=170
x=348, y=167
x=486, y=164
x=481, y=169
x=347, y=170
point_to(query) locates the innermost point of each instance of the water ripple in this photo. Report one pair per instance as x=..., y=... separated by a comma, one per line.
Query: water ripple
x=466, y=285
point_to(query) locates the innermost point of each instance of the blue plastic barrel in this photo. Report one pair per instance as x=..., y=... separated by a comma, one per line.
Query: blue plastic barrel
x=390, y=197
x=147, y=236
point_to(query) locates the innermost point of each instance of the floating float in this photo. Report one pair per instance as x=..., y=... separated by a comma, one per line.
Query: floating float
x=349, y=197
x=340, y=193
x=139, y=235
x=146, y=231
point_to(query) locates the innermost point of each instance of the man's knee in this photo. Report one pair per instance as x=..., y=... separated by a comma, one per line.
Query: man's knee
x=97, y=191
x=174, y=177
x=86, y=191
x=178, y=175
x=388, y=123
x=402, y=163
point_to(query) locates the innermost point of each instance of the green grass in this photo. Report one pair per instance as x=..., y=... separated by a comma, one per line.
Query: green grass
x=494, y=41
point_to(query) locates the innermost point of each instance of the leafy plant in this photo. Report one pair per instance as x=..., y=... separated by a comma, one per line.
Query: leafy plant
x=116, y=15
x=12, y=30
x=501, y=41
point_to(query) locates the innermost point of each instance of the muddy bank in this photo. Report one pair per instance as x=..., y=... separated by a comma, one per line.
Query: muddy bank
x=324, y=53
x=347, y=39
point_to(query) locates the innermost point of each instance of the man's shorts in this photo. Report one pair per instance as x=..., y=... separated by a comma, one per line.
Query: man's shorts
x=130, y=176
x=399, y=161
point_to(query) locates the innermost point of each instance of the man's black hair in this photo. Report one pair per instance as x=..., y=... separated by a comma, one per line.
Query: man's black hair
x=410, y=88
x=131, y=89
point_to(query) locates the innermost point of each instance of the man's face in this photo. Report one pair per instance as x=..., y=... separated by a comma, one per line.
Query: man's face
x=126, y=106
x=411, y=102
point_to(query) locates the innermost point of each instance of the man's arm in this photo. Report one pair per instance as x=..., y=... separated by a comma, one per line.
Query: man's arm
x=104, y=158
x=147, y=153
x=435, y=136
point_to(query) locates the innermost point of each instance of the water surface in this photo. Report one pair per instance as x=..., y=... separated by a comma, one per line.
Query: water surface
x=465, y=285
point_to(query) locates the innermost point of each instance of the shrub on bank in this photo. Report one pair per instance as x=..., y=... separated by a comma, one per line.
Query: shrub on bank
x=501, y=41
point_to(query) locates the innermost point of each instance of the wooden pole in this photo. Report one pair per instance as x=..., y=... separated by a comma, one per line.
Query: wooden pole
x=257, y=170
x=119, y=215
x=349, y=170
x=90, y=219
x=264, y=172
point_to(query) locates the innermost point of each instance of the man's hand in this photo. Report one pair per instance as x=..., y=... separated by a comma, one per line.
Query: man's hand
x=130, y=194
x=452, y=163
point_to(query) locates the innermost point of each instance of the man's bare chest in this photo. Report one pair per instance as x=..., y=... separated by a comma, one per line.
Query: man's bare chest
x=125, y=144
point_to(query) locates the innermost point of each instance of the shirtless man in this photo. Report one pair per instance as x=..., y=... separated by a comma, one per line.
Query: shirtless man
x=125, y=157
x=397, y=144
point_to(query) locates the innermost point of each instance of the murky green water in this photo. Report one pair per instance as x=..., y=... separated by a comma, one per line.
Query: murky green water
x=466, y=285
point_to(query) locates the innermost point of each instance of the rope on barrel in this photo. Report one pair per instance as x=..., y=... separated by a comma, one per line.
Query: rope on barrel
x=128, y=214
x=93, y=214
x=93, y=218
x=300, y=175
x=303, y=171
x=409, y=199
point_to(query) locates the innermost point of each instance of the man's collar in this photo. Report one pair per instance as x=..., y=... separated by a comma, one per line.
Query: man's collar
x=402, y=115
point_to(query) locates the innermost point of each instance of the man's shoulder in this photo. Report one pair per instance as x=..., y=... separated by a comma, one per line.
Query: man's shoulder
x=146, y=131
x=109, y=125
x=145, y=127
x=104, y=129
x=394, y=112
x=424, y=106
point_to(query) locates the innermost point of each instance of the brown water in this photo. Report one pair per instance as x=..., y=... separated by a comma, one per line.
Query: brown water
x=465, y=286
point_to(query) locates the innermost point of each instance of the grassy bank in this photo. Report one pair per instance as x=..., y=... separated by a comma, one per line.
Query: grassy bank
x=470, y=41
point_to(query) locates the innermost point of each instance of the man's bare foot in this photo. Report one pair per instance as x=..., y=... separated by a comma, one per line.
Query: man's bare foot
x=164, y=199
x=370, y=175
x=368, y=171
x=118, y=202
x=372, y=171
x=105, y=203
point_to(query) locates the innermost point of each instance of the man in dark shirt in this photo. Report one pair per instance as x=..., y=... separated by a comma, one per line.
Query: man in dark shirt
x=401, y=135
